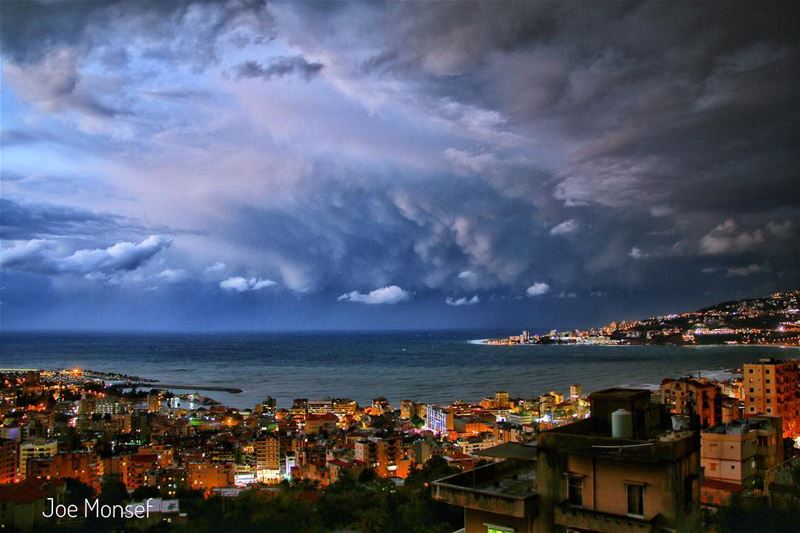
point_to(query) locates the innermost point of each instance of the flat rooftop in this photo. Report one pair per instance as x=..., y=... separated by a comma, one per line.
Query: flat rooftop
x=514, y=479
x=510, y=450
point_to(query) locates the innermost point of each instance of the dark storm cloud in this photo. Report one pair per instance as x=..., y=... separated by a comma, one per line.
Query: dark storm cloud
x=54, y=258
x=685, y=109
x=461, y=151
x=280, y=67
x=29, y=30
x=20, y=221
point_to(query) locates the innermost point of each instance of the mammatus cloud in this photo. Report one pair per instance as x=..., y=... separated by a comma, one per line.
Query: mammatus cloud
x=566, y=227
x=439, y=149
x=538, y=289
x=391, y=294
x=240, y=284
x=50, y=256
x=283, y=66
x=462, y=301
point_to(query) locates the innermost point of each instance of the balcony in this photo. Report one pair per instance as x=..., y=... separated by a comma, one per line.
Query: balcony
x=585, y=519
x=505, y=488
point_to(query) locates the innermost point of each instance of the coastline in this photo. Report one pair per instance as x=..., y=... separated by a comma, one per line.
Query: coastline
x=485, y=342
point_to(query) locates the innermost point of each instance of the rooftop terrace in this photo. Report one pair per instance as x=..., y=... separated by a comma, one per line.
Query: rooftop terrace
x=507, y=487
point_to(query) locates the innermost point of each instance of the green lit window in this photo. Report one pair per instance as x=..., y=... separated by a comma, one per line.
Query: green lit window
x=498, y=529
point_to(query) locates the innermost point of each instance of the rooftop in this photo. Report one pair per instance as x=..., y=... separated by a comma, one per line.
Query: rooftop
x=510, y=450
x=507, y=487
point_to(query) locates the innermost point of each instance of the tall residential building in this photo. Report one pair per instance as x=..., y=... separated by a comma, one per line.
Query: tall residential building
x=693, y=396
x=268, y=459
x=622, y=469
x=772, y=387
x=8, y=461
x=34, y=449
x=407, y=409
x=154, y=402
x=501, y=399
x=575, y=392
x=387, y=456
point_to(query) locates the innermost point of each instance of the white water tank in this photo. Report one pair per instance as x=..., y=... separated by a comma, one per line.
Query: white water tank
x=622, y=424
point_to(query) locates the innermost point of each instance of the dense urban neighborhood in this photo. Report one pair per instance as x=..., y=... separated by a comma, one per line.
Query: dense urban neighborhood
x=90, y=450
x=773, y=319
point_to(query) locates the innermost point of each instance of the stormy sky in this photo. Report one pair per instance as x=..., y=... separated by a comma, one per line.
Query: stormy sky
x=195, y=165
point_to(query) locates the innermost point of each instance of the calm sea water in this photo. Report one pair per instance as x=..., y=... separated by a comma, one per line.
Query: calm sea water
x=424, y=366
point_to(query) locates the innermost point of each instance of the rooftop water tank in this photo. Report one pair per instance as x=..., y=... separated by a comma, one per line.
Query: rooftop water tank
x=622, y=424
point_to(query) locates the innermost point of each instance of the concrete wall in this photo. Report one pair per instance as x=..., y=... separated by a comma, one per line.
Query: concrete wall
x=475, y=522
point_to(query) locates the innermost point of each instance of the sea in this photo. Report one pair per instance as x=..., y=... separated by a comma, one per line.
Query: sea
x=425, y=366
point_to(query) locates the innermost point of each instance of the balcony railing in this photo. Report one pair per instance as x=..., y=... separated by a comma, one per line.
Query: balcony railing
x=504, y=488
x=569, y=516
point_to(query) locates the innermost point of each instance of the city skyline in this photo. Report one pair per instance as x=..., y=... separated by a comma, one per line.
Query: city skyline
x=277, y=166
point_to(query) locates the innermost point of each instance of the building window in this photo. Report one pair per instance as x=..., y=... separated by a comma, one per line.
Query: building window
x=491, y=528
x=635, y=500
x=575, y=489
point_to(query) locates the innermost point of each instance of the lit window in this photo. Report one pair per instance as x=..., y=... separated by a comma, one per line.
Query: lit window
x=498, y=529
x=635, y=499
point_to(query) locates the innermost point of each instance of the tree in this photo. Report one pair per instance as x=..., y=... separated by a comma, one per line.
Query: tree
x=143, y=492
x=77, y=492
x=112, y=490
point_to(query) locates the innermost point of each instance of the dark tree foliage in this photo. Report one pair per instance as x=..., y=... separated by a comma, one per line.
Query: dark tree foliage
x=77, y=492
x=743, y=514
x=369, y=505
x=144, y=492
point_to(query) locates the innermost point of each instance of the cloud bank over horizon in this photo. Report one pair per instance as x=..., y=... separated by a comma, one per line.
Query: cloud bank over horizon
x=270, y=165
